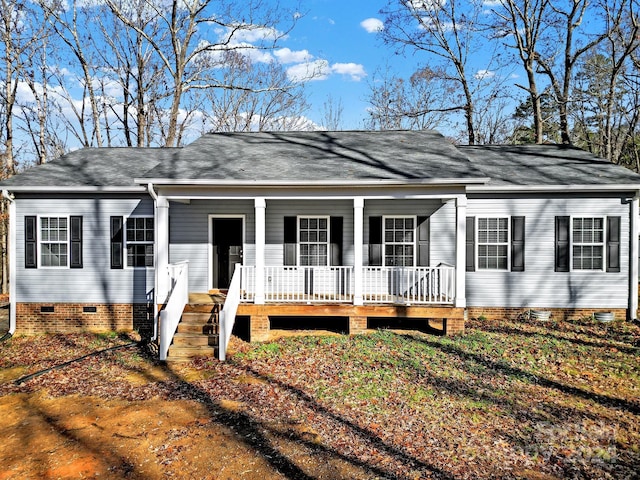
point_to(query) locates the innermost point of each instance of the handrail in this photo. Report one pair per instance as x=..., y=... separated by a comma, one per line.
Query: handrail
x=228, y=313
x=177, y=299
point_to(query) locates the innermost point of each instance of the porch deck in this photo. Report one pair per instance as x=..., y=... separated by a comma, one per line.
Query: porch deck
x=449, y=319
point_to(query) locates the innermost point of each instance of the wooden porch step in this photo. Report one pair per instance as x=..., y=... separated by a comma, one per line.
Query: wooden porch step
x=178, y=353
x=197, y=333
x=195, y=340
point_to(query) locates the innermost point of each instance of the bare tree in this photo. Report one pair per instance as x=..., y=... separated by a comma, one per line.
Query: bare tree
x=421, y=102
x=448, y=31
x=524, y=22
x=190, y=55
x=268, y=101
x=558, y=59
x=69, y=22
x=332, y=110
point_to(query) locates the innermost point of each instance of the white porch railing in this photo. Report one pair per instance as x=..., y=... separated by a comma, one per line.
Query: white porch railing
x=177, y=299
x=409, y=285
x=228, y=313
x=397, y=285
x=308, y=284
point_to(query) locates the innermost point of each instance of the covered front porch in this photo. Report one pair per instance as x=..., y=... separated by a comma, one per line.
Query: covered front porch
x=374, y=255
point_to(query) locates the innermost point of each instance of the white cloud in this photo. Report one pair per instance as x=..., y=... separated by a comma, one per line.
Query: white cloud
x=321, y=70
x=286, y=55
x=315, y=70
x=372, y=25
x=354, y=70
x=484, y=74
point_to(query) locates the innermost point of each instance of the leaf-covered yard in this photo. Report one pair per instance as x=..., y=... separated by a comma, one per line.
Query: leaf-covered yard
x=510, y=399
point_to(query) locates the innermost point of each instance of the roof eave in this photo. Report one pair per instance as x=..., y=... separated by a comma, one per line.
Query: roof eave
x=75, y=189
x=618, y=187
x=354, y=183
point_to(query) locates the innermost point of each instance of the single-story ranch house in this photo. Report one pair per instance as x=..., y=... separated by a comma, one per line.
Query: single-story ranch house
x=355, y=225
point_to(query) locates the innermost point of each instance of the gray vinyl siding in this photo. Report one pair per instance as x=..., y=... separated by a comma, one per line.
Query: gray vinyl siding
x=442, y=242
x=189, y=235
x=278, y=209
x=96, y=282
x=539, y=285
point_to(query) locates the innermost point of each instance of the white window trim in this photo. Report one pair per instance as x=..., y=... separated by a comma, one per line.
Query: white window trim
x=328, y=242
x=125, y=242
x=508, y=243
x=603, y=244
x=415, y=237
x=40, y=242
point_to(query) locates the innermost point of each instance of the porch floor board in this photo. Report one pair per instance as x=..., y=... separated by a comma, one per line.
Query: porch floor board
x=342, y=310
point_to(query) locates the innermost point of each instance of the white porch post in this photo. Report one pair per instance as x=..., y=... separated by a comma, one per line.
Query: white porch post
x=358, y=240
x=461, y=237
x=634, y=228
x=162, y=256
x=260, y=207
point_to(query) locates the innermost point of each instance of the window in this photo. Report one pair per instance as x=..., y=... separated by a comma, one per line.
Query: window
x=399, y=241
x=313, y=235
x=587, y=237
x=493, y=243
x=139, y=241
x=54, y=241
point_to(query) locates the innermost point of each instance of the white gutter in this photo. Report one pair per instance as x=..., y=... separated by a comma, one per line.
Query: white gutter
x=156, y=314
x=553, y=188
x=634, y=228
x=78, y=189
x=11, y=260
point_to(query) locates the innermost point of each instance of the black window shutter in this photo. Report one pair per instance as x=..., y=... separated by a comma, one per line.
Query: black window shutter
x=375, y=241
x=117, y=240
x=562, y=244
x=470, y=251
x=290, y=240
x=613, y=244
x=76, y=242
x=335, y=232
x=30, y=242
x=517, y=244
x=423, y=241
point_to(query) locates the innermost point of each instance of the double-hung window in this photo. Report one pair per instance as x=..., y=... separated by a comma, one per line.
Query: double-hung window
x=54, y=241
x=399, y=241
x=139, y=241
x=493, y=243
x=313, y=239
x=588, y=241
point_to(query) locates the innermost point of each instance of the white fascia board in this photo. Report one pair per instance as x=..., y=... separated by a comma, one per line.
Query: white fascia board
x=552, y=188
x=310, y=183
x=79, y=189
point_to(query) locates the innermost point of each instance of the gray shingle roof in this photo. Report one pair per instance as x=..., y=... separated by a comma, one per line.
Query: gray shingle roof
x=96, y=167
x=545, y=165
x=318, y=156
x=326, y=156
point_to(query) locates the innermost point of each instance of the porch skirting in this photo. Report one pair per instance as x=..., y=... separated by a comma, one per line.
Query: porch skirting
x=82, y=317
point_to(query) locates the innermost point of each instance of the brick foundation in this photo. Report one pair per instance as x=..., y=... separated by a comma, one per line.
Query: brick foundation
x=453, y=326
x=71, y=318
x=498, y=313
x=259, y=327
x=357, y=325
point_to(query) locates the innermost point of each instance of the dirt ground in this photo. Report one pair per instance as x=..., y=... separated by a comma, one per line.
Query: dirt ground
x=72, y=437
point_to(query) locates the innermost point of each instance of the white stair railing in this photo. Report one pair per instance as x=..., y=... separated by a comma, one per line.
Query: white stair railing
x=228, y=313
x=177, y=299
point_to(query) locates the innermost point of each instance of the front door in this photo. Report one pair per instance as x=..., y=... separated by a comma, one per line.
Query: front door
x=227, y=239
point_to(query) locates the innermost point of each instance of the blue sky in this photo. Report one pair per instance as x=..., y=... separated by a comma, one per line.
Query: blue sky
x=333, y=30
